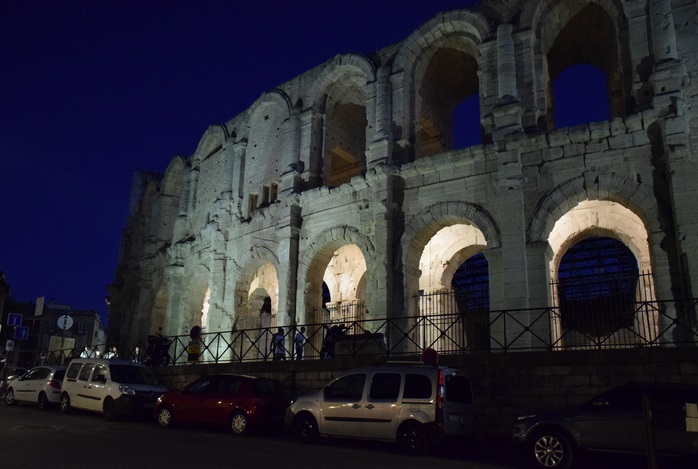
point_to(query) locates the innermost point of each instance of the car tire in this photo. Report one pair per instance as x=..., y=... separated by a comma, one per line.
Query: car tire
x=413, y=439
x=10, y=397
x=239, y=423
x=551, y=448
x=65, y=403
x=109, y=410
x=43, y=401
x=305, y=429
x=165, y=417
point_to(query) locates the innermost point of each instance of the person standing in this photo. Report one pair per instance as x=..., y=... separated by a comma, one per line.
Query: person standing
x=300, y=341
x=278, y=345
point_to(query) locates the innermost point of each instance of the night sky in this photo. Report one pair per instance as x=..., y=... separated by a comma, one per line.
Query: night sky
x=92, y=91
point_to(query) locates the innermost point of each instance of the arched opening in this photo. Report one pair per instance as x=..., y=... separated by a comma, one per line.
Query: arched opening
x=467, y=130
x=600, y=278
x=453, y=299
x=345, y=132
x=580, y=96
x=598, y=283
x=588, y=38
x=449, y=79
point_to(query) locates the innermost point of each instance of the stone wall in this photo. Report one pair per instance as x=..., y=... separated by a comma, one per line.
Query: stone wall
x=504, y=384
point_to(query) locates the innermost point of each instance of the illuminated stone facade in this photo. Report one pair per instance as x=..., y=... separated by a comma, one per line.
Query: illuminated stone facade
x=351, y=175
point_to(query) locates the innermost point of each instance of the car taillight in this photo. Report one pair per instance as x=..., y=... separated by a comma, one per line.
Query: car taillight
x=54, y=384
x=440, y=391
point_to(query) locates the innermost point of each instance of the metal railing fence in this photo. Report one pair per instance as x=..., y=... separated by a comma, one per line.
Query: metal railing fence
x=654, y=324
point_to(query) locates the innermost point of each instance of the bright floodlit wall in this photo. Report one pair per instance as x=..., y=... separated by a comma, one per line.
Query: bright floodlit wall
x=350, y=176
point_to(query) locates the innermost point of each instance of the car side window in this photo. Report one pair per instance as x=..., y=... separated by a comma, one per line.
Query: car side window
x=100, y=374
x=85, y=372
x=347, y=388
x=33, y=374
x=230, y=385
x=385, y=386
x=73, y=371
x=417, y=387
x=198, y=387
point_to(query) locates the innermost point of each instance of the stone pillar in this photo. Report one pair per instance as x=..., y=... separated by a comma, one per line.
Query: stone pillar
x=238, y=189
x=228, y=169
x=293, y=168
x=513, y=231
x=380, y=149
x=507, y=115
x=174, y=275
x=180, y=230
x=663, y=31
x=288, y=230
x=312, y=146
x=506, y=64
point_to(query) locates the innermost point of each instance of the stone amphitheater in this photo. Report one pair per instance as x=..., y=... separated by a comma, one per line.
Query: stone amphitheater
x=346, y=193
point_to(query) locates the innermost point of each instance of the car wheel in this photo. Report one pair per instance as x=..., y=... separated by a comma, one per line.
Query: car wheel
x=413, y=439
x=165, y=417
x=239, y=424
x=108, y=410
x=65, y=403
x=551, y=449
x=43, y=401
x=10, y=397
x=305, y=429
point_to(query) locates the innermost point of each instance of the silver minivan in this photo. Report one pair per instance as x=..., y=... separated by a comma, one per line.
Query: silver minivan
x=410, y=404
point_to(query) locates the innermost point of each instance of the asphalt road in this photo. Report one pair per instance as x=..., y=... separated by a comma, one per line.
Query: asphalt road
x=30, y=438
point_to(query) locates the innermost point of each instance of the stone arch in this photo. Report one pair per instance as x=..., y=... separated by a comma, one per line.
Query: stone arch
x=568, y=33
x=257, y=257
x=634, y=195
x=340, y=65
x=430, y=96
x=211, y=142
x=422, y=228
x=340, y=94
x=315, y=259
x=277, y=97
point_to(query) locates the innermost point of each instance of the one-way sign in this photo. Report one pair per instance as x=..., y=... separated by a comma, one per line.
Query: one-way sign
x=14, y=319
x=21, y=333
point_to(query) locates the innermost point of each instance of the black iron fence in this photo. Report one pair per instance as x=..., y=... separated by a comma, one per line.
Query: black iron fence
x=652, y=324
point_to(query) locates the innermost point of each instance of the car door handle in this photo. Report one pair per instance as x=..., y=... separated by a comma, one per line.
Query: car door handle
x=355, y=406
x=370, y=406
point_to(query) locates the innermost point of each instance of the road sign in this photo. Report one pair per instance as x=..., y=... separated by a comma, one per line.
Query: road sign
x=65, y=322
x=21, y=333
x=14, y=319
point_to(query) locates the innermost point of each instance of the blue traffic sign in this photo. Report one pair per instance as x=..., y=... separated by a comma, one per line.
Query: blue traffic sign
x=21, y=333
x=14, y=319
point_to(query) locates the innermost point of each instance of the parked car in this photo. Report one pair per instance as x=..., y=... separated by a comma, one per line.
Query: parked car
x=407, y=403
x=113, y=387
x=11, y=374
x=613, y=421
x=40, y=385
x=240, y=402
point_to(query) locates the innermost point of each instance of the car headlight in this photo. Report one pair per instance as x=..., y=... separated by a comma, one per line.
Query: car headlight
x=126, y=390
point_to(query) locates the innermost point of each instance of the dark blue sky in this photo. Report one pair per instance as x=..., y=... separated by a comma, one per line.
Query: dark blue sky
x=92, y=91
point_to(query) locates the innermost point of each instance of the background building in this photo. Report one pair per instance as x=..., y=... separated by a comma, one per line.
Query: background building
x=355, y=191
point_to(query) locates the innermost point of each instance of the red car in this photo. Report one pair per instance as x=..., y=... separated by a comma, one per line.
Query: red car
x=239, y=402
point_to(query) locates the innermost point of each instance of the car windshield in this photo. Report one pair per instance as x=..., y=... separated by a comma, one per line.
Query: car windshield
x=131, y=374
x=458, y=389
x=267, y=387
x=59, y=374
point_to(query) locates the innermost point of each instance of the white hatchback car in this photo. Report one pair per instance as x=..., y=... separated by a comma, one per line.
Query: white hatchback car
x=40, y=385
x=112, y=387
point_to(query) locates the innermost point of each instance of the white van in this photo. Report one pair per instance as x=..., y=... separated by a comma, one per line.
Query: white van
x=409, y=404
x=113, y=387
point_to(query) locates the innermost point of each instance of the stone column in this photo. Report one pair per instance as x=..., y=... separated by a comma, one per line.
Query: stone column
x=292, y=153
x=506, y=64
x=663, y=31
x=507, y=113
x=288, y=230
x=239, y=151
x=380, y=148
